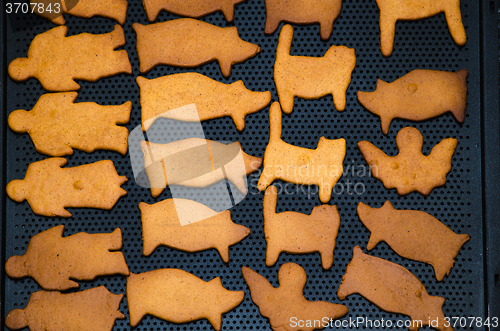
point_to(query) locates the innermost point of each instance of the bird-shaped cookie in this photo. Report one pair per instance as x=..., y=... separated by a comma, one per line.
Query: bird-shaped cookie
x=286, y=303
x=410, y=170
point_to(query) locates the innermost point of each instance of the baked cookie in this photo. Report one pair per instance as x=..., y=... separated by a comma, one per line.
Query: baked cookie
x=190, y=8
x=95, y=309
x=56, y=60
x=324, y=12
x=57, y=125
x=49, y=189
x=410, y=170
x=280, y=305
x=211, y=98
x=179, y=297
x=414, y=235
x=294, y=232
x=196, y=162
x=321, y=166
x=53, y=260
x=162, y=225
x=392, y=11
x=392, y=288
x=311, y=77
x=189, y=43
x=417, y=96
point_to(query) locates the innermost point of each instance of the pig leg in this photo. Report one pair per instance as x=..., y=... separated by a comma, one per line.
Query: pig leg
x=224, y=253
x=225, y=67
x=272, y=254
x=454, y=20
x=387, y=30
x=228, y=10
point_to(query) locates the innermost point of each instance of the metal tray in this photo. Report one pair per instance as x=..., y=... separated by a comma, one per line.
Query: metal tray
x=468, y=203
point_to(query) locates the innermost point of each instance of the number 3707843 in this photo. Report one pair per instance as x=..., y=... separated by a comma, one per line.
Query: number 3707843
x=33, y=7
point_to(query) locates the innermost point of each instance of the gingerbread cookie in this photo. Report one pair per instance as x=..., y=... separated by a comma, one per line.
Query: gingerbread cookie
x=392, y=288
x=57, y=125
x=189, y=43
x=414, y=235
x=281, y=305
x=53, y=9
x=324, y=12
x=179, y=297
x=56, y=60
x=196, y=162
x=321, y=166
x=161, y=225
x=418, y=96
x=393, y=10
x=311, y=77
x=190, y=8
x=212, y=99
x=293, y=232
x=95, y=309
x=410, y=170
x=49, y=189
x=53, y=261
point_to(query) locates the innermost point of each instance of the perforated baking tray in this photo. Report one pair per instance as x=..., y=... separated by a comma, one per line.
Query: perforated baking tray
x=468, y=203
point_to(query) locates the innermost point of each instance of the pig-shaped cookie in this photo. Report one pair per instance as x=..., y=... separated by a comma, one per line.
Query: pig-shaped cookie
x=392, y=288
x=190, y=8
x=95, y=309
x=212, y=99
x=323, y=12
x=311, y=77
x=410, y=170
x=196, y=162
x=418, y=96
x=161, y=226
x=179, y=297
x=53, y=10
x=414, y=235
x=393, y=10
x=187, y=42
x=287, y=302
x=57, y=124
x=57, y=60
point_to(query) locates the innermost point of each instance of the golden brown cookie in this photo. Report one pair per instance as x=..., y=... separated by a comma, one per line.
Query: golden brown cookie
x=286, y=304
x=189, y=43
x=95, y=309
x=410, y=170
x=392, y=288
x=53, y=10
x=196, y=162
x=53, y=260
x=418, y=96
x=49, y=189
x=311, y=77
x=321, y=166
x=393, y=10
x=56, y=60
x=190, y=8
x=179, y=297
x=414, y=235
x=212, y=99
x=57, y=125
x=161, y=226
x=324, y=12
x=294, y=232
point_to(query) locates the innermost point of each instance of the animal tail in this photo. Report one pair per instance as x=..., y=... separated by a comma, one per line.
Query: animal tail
x=275, y=122
x=285, y=42
x=270, y=198
x=459, y=111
